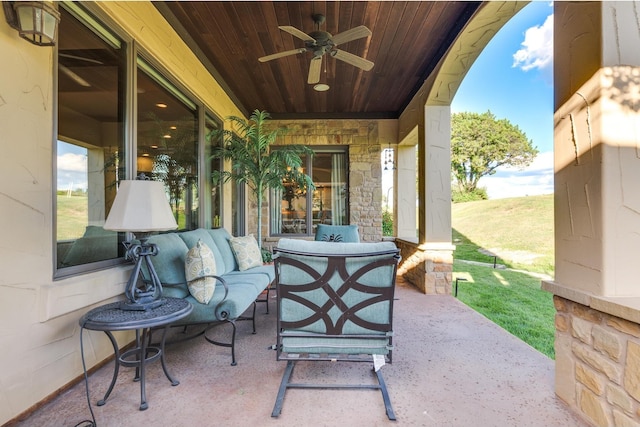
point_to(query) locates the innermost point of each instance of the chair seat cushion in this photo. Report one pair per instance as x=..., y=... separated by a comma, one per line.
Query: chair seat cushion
x=319, y=344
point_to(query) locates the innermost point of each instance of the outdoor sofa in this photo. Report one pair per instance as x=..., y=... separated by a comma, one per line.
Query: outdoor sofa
x=236, y=289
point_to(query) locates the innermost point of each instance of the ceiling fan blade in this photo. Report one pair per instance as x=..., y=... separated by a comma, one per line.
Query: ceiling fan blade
x=281, y=54
x=314, y=70
x=297, y=33
x=352, y=34
x=352, y=59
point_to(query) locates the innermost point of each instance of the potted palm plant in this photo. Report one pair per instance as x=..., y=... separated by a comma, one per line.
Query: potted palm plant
x=247, y=144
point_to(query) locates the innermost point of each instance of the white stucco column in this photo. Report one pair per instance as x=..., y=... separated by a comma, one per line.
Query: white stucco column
x=597, y=147
x=427, y=263
x=597, y=209
x=406, y=194
x=435, y=161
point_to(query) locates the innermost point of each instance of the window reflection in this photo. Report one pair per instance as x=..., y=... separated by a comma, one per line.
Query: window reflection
x=214, y=189
x=295, y=209
x=91, y=64
x=168, y=143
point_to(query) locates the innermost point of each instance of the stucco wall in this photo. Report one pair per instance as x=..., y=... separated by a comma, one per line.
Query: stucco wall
x=39, y=331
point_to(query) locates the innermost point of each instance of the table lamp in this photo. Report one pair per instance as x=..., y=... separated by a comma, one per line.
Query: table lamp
x=141, y=207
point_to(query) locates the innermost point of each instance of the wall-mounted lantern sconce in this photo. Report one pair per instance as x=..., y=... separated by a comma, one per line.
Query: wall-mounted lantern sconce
x=36, y=21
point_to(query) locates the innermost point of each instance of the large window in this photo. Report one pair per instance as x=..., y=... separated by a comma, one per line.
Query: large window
x=90, y=142
x=296, y=211
x=119, y=116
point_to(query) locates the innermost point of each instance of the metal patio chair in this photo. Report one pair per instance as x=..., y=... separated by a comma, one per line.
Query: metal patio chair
x=335, y=303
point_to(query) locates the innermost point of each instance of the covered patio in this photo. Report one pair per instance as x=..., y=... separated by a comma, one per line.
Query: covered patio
x=95, y=97
x=451, y=367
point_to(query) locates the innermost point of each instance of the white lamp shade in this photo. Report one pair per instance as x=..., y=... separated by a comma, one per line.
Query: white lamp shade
x=140, y=206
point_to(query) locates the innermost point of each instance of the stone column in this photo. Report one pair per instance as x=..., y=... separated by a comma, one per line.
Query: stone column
x=429, y=265
x=597, y=209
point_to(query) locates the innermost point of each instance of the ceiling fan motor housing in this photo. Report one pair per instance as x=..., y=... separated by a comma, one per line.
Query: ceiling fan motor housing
x=322, y=41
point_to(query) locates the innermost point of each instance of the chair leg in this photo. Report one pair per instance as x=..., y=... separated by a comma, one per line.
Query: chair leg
x=385, y=396
x=277, y=408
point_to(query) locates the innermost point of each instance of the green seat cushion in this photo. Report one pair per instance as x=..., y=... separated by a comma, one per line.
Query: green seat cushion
x=320, y=345
x=241, y=296
x=221, y=237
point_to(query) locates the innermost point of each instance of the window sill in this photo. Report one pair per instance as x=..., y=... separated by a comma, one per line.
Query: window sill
x=81, y=291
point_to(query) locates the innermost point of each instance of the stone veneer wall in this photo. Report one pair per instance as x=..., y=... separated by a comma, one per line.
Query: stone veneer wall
x=430, y=270
x=598, y=364
x=365, y=171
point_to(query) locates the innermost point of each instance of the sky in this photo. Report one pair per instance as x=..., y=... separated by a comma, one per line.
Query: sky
x=513, y=77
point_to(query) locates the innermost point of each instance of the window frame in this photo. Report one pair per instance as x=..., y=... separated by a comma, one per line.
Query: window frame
x=308, y=166
x=111, y=35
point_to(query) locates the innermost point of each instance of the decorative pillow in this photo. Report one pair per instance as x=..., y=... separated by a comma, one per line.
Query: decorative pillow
x=198, y=264
x=247, y=252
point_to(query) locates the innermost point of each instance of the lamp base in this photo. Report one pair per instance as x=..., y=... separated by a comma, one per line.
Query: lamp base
x=141, y=294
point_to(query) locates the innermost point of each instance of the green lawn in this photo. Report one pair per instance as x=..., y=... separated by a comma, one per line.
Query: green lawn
x=512, y=300
x=72, y=216
x=520, y=232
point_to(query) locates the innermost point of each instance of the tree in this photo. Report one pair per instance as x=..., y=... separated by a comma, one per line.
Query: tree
x=480, y=144
x=247, y=145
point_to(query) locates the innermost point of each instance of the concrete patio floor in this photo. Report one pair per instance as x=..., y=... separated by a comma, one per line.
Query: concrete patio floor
x=451, y=367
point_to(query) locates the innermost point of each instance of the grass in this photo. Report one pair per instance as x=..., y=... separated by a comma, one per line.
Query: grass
x=71, y=217
x=510, y=299
x=520, y=232
x=73, y=212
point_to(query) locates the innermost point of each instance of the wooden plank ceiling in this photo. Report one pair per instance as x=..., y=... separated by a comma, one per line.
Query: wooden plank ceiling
x=408, y=39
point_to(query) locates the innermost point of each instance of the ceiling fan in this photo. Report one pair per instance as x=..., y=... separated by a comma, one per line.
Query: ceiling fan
x=321, y=42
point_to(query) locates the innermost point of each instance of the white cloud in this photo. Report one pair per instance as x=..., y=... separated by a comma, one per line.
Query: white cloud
x=537, y=47
x=72, y=162
x=536, y=179
x=72, y=171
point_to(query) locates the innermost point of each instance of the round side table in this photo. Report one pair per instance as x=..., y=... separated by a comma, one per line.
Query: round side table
x=111, y=317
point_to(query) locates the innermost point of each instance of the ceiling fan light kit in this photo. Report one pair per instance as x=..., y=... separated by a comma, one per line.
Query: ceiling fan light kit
x=321, y=42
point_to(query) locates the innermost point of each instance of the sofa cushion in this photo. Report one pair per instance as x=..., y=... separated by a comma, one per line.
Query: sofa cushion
x=260, y=281
x=247, y=252
x=241, y=296
x=221, y=237
x=267, y=270
x=191, y=239
x=337, y=233
x=199, y=265
x=169, y=262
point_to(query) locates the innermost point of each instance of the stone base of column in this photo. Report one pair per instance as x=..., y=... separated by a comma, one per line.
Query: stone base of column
x=597, y=364
x=427, y=267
